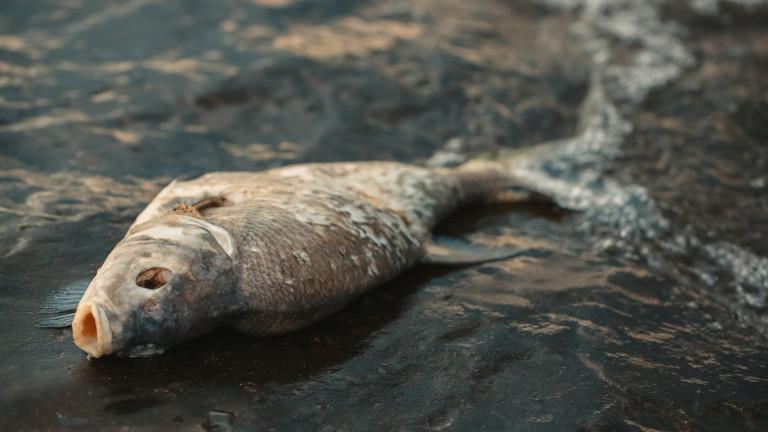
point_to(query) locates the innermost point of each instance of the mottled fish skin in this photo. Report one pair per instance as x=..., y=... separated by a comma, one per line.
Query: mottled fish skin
x=280, y=250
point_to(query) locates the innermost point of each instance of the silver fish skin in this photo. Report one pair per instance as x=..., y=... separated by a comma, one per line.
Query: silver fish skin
x=268, y=252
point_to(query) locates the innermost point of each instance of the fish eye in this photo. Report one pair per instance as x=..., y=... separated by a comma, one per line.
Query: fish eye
x=153, y=278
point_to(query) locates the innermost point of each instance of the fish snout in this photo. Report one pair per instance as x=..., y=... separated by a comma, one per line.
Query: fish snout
x=90, y=329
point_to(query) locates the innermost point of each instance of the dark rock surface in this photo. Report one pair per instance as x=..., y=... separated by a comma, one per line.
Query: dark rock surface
x=648, y=314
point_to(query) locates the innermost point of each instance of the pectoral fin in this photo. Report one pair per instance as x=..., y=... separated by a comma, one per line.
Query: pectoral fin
x=447, y=251
x=58, y=310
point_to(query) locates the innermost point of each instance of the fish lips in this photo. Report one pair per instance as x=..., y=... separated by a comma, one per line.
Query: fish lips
x=91, y=331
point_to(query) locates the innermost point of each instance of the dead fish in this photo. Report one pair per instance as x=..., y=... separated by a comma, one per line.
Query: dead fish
x=271, y=252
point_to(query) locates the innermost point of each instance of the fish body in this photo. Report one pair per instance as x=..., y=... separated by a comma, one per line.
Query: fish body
x=268, y=252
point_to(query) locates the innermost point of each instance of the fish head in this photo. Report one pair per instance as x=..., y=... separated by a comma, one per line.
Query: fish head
x=168, y=280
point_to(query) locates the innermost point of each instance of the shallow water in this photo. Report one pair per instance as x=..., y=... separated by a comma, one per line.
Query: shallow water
x=647, y=311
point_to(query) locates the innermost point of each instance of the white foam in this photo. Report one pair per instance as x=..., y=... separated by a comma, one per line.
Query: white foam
x=712, y=7
x=572, y=170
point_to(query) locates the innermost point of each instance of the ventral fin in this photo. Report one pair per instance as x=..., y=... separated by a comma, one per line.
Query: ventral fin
x=58, y=309
x=450, y=251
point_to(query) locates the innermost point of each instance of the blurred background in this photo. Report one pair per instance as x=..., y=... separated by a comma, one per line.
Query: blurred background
x=648, y=314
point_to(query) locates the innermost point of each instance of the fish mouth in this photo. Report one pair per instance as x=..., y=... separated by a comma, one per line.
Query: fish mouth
x=90, y=329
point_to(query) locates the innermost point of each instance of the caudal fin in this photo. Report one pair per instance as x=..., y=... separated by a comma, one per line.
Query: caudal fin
x=501, y=175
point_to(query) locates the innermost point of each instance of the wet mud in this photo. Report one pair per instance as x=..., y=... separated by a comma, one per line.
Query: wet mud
x=646, y=309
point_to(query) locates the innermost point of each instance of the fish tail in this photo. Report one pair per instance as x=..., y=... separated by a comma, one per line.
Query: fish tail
x=499, y=176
